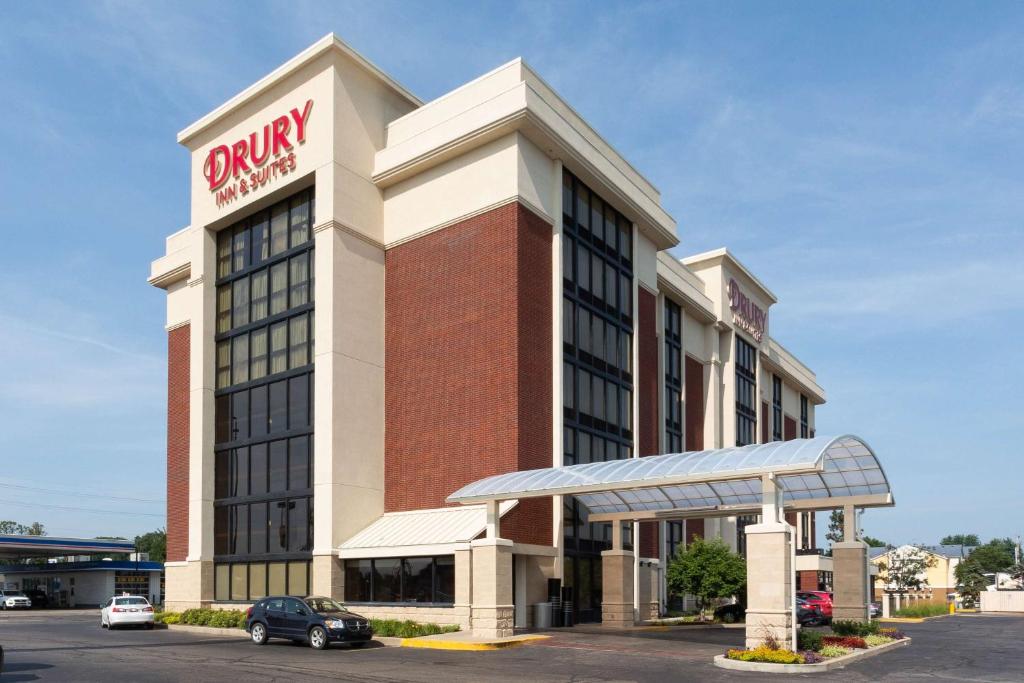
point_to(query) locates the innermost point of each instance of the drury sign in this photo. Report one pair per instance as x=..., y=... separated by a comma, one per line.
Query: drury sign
x=245, y=162
x=747, y=315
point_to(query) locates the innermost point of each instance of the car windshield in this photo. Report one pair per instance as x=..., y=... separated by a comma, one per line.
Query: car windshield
x=130, y=601
x=13, y=594
x=325, y=605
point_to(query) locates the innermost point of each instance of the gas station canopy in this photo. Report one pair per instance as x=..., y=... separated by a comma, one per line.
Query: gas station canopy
x=820, y=473
x=12, y=546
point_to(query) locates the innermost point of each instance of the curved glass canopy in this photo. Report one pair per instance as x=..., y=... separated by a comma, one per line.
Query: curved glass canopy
x=813, y=473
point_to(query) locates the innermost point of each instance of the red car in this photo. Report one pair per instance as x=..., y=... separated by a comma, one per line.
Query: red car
x=822, y=599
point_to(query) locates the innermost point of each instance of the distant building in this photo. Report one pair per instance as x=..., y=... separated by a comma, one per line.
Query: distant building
x=940, y=579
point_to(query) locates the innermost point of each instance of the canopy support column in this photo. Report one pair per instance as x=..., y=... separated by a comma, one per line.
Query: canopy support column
x=769, y=573
x=493, y=609
x=850, y=565
x=617, y=583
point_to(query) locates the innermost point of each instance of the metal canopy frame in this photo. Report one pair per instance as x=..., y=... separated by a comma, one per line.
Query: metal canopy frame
x=813, y=474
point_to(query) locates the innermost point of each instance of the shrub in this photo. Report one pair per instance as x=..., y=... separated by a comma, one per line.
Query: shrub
x=845, y=641
x=875, y=641
x=408, y=628
x=166, y=617
x=920, y=611
x=855, y=628
x=809, y=640
x=766, y=654
x=205, y=617
x=830, y=651
x=811, y=657
x=893, y=633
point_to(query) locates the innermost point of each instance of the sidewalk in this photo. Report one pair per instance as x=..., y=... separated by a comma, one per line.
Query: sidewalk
x=461, y=640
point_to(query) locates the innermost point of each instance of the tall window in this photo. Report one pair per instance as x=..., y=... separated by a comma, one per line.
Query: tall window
x=746, y=390
x=597, y=367
x=673, y=378
x=776, y=408
x=263, y=404
x=804, y=427
x=742, y=522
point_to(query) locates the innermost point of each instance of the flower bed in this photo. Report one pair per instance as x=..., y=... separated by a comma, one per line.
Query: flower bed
x=814, y=647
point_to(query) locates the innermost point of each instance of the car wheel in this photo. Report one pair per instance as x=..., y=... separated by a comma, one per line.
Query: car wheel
x=729, y=618
x=258, y=633
x=317, y=638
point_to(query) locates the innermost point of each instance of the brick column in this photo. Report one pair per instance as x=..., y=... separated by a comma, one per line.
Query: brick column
x=493, y=611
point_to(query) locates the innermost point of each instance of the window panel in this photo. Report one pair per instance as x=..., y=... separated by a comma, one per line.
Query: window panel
x=278, y=478
x=239, y=530
x=221, y=530
x=260, y=296
x=299, y=276
x=279, y=347
x=298, y=525
x=298, y=402
x=444, y=579
x=277, y=573
x=222, y=582
x=582, y=207
x=417, y=579
x=223, y=308
x=387, y=580
x=258, y=368
x=239, y=482
x=298, y=463
x=298, y=338
x=258, y=528
x=258, y=416
x=239, y=415
x=582, y=268
x=240, y=302
x=224, y=252
x=278, y=403
x=260, y=238
x=299, y=219
x=277, y=526
x=223, y=364
x=358, y=574
x=222, y=419
x=221, y=474
x=240, y=249
x=298, y=578
x=257, y=580
x=240, y=359
x=278, y=288
x=258, y=469
x=279, y=229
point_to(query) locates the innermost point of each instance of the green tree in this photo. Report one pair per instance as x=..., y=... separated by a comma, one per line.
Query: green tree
x=994, y=556
x=904, y=570
x=708, y=570
x=154, y=543
x=835, y=526
x=960, y=539
x=970, y=581
x=8, y=526
x=874, y=542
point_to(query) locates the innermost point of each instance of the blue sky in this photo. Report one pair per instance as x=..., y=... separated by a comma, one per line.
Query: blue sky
x=862, y=158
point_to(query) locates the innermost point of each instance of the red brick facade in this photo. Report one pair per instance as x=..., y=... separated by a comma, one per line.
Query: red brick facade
x=468, y=362
x=177, y=442
x=648, y=391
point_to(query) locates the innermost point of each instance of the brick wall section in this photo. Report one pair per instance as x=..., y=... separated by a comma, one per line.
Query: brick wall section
x=468, y=362
x=648, y=426
x=177, y=442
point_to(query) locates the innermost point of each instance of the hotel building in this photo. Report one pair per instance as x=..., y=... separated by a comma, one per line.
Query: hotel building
x=379, y=300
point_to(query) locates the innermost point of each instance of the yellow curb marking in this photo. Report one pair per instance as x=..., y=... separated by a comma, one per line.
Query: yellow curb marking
x=467, y=646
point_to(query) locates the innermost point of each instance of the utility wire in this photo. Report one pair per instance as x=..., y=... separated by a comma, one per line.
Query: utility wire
x=78, y=509
x=82, y=495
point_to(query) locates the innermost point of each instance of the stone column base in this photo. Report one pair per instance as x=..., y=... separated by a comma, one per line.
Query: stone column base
x=764, y=623
x=617, y=614
x=617, y=588
x=493, y=622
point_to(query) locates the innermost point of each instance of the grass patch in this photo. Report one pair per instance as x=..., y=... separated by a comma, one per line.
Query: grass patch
x=408, y=629
x=921, y=611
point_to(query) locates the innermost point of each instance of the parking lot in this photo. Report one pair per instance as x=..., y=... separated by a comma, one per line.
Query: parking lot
x=71, y=647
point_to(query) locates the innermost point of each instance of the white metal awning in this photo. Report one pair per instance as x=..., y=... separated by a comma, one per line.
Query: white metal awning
x=819, y=473
x=436, y=531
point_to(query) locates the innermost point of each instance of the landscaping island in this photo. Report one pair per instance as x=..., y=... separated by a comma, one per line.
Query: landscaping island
x=817, y=651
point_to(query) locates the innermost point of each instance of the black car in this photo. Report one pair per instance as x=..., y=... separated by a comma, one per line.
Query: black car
x=38, y=598
x=316, y=620
x=730, y=614
x=808, y=614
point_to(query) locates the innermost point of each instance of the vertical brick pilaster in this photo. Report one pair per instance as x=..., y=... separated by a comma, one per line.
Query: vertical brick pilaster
x=177, y=442
x=468, y=362
x=648, y=389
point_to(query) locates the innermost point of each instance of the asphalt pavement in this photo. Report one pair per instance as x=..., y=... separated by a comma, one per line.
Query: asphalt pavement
x=72, y=647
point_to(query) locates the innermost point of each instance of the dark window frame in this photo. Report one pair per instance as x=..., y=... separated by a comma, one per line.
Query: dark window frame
x=746, y=392
x=353, y=599
x=673, y=377
x=776, y=408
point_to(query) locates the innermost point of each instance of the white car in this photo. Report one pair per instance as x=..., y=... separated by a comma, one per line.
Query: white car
x=126, y=610
x=12, y=599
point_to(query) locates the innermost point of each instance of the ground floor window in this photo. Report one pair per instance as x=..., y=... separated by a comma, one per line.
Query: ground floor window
x=428, y=580
x=133, y=583
x=244, y=581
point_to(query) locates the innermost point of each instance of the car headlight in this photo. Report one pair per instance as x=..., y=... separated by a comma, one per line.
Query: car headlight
x=334, y=623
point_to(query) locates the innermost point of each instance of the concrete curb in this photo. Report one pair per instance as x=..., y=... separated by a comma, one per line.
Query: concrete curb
x=468, y=645
x=723, y=662
x=913, y=620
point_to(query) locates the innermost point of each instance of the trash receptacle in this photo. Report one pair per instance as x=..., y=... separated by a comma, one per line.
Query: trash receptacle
x=542, y=615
